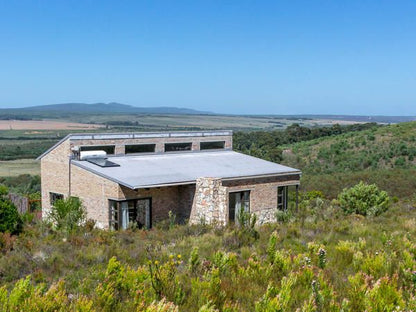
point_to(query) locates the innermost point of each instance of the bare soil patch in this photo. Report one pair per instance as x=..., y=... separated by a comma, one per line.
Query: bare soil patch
x=44, y=125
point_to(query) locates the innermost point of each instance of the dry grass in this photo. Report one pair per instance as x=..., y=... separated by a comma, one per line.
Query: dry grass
x=44, y=125
x=17, y=167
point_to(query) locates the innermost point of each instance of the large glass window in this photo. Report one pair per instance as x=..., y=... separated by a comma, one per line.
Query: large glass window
x=238, y=202
x=136, y=212
x=212, y=145
x=282, y=192
x=176, y=147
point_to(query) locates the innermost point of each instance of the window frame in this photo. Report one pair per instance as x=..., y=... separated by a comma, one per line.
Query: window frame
x=282, y=197
x=116, y=212
x=53, y=197
x=243, y=201
x=211, y=148
x=103, y=147
x=138, y=152
x=188, y=144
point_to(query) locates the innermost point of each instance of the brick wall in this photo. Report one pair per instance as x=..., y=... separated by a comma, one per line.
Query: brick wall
x=160, y=142
x=94, y=192
x=211, y=197
x=54, y=174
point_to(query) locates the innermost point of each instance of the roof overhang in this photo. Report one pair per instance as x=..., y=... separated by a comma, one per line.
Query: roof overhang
x=136, y=172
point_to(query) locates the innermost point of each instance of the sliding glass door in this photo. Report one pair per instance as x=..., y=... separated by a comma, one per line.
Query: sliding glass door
x=238, y=201
x=135, y=212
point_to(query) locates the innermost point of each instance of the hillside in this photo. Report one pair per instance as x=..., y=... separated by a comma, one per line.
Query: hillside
x=392, y=146
x=57, y=110
x=332, y=158
x=383, y=155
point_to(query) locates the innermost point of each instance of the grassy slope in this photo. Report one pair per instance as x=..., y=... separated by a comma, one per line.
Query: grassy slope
x=385, y=156
x=14, y=168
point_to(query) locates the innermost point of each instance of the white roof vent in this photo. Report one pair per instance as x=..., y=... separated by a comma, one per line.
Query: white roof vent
x=92, y=154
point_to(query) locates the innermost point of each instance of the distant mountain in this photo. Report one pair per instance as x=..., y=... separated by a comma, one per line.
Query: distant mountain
x=105, y=108
x=363, y=118
x=353, y=118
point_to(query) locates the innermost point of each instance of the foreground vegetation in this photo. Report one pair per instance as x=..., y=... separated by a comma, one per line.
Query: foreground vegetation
x=315, y=259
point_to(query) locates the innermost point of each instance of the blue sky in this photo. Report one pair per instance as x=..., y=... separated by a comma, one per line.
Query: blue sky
x=243, y=57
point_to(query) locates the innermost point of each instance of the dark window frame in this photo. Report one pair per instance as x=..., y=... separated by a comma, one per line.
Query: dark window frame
x=222, y=143
x=152, y=145
x=105, y=148
x=115, y=212
x=282, y=197
x=245, y=201
x=53, y=197
x=187, y=146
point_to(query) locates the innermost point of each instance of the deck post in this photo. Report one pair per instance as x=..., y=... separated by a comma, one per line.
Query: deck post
x=297, y=197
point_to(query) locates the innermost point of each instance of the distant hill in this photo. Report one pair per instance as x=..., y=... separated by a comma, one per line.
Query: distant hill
x=353, y=118
x=363, y=118
x=97, y=108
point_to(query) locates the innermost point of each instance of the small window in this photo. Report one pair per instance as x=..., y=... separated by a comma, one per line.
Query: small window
x=53, y=197
x=176, y=147
x=282, y=197
x=212, y=145
x=140, y=148
x=109, y=149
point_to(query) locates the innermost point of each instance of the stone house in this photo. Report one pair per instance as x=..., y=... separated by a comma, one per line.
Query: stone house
x=125, y=178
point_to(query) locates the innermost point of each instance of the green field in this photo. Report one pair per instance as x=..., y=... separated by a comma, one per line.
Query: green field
x=13, y=168
x=197, y=122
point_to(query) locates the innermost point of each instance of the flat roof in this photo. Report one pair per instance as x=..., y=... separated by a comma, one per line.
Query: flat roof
x=174, y=168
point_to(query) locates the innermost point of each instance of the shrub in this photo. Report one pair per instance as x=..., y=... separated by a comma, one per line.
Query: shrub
x=10, y=220
x=67, y=214
x=364, y=199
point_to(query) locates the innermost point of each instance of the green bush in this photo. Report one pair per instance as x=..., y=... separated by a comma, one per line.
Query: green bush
x=67, y=214
x=364, y=199
x=10, y=220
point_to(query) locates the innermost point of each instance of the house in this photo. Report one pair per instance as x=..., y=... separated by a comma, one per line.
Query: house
x=125, y=178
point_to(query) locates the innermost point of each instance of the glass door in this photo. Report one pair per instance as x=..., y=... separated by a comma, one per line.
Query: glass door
x=238, y=201
x=135, y=211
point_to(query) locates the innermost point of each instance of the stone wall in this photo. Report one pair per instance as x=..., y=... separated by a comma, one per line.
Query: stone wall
x=210, y=202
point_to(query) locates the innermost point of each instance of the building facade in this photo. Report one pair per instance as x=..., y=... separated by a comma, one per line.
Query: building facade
x=126, y=179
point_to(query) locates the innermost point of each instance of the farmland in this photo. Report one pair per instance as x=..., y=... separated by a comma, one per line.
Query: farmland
x=44, y=125
x=17, y=167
